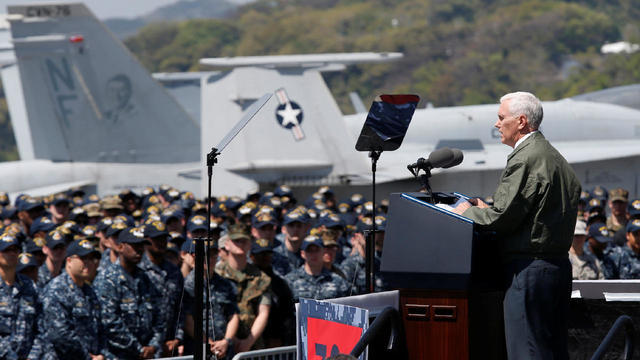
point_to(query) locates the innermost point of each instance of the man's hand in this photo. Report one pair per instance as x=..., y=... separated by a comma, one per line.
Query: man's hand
x=462, y=207
x=170, y=346
x=358, y=242
x=96, y=357
x=219, y=348
x=479, y=203
x=148, y=352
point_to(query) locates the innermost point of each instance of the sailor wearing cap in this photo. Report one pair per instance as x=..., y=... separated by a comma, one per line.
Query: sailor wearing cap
x=618, y=201
x=28, y=265
x=312, y=280
x=19, y=305
x=168, y=281
x=71, y=314
x=109, y=240
x=584, y=265
x=29, y=209
x=263, y=226
x=59, y=206
x=223, y=296
x=131, y=313
x=354, y=265
x=599, y=245
x=280, y=329
x=626, y=258
x=55, y=247
x=254, y=288
x=295, y=228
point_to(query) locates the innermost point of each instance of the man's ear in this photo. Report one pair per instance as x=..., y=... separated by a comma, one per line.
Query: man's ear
x=523, y=122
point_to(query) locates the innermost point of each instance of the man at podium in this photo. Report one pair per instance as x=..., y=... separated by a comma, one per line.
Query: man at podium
x=534, y=215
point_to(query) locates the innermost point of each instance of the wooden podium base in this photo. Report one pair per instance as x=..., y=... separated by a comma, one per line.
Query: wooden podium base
x=445, y=324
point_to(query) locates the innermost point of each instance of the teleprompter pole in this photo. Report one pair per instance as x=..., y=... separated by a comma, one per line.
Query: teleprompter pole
x=199, y=346
x=201, y=350
x=370, y=243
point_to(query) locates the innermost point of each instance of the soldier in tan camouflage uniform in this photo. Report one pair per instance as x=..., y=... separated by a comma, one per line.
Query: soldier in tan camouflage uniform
x=330, y=241
x=584, y=266
x=253, y=286
x=617, y=221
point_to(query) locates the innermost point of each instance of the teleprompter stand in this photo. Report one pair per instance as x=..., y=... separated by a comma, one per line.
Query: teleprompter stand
x=384, y=130
x=201, y=349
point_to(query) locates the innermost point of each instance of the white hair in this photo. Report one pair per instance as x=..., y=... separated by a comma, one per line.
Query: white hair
x=524, y=103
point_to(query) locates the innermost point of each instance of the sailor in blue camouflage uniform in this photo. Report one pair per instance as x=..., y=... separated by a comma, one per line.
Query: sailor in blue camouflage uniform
x=71, y=314
x=223, y=297
x=599, y=245
x=131, y=313
x=263, y=226
x=55, y=248
x=354, y=266
x=167, y=279
x=295, y=228
x=111, y=233
x=20, y=308
x=312, y=280
x=626, y=258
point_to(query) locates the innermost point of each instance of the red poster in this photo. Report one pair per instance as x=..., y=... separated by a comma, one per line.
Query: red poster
x=326, y=338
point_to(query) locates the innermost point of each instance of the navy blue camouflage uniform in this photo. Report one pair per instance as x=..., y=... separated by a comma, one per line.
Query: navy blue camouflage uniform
x=224, y=303
x=72, y=319
x=295, y=259
x=354, y=270
x=20, y=310
x=626, y=263
x=606, y=263
x=131, y=313
x=104, y=260
x=280, y=263
x=44, y=275
x=327, y=285
x=168, y=282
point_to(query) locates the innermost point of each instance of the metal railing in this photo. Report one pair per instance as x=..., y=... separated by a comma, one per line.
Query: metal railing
x=396, y=347
x=278, y=353
x=629, y=342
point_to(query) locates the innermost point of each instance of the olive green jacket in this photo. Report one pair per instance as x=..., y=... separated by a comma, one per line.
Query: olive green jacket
x=536, y=203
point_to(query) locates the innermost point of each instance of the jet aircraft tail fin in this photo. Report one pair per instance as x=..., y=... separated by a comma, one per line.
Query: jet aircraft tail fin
x=84, y=97
x=298, y=138
x=628, y=95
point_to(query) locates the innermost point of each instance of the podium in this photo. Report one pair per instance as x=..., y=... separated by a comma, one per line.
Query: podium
x=449, y=276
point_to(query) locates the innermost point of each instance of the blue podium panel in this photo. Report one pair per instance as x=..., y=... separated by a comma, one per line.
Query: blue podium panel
x=425, y=245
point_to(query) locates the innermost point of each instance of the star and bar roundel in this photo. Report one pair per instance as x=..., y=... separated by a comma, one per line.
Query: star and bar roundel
x=289, y=114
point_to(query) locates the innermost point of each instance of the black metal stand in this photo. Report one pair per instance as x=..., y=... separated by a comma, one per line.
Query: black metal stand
x=371, y=238
x=201, y=348
x=424, y=179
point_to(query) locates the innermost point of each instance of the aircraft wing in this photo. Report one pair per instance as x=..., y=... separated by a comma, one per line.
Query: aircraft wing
x=53, y=189
x=393, y=165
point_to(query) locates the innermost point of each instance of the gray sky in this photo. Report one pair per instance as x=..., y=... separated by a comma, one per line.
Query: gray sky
x=103, y=9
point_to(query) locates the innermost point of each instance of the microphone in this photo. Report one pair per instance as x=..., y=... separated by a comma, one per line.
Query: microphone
x=456, y=160
x=441, y=158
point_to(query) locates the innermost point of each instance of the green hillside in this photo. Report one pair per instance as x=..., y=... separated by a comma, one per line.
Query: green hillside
x=456, y=51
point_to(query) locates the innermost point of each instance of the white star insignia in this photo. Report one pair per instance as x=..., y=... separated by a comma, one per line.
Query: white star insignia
x=289, y=115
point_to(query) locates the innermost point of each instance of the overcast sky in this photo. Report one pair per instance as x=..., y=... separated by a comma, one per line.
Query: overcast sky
x=104, y=9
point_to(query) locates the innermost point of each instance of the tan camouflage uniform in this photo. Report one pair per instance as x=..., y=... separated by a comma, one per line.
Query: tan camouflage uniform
x=254, y=289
